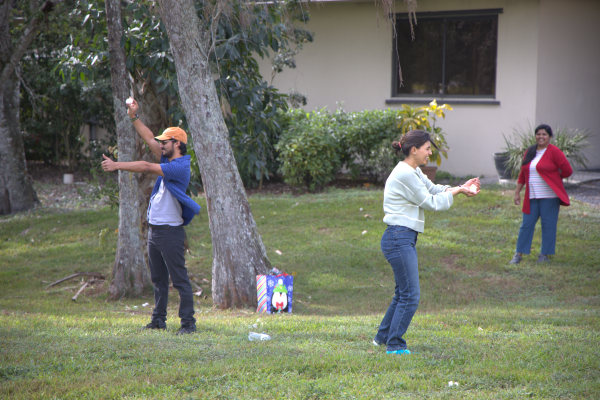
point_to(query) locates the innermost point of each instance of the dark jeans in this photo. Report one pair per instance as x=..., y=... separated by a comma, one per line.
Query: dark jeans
x=167, y=257
x=546, y=210
x=398, y=246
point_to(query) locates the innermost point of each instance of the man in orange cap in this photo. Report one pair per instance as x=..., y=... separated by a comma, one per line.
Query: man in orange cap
x=170, y=209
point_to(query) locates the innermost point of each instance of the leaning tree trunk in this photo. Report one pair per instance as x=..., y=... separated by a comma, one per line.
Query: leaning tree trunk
x=238, y=251
x=130, y=272
x=16, y=189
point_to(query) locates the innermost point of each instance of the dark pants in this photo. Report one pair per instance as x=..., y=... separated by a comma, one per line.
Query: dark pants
x=167, y=257
x=546, y=210
x=398, y=246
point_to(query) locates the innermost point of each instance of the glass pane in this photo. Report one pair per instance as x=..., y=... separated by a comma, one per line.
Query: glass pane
x=471, y=56
x=421, y=59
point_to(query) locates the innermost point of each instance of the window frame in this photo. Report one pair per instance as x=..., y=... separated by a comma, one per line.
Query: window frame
x=451, y=99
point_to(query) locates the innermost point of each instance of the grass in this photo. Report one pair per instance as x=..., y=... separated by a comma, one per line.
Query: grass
x=501, y=331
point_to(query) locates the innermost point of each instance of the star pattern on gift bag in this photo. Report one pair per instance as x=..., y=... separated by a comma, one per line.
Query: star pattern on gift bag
x=271, y=283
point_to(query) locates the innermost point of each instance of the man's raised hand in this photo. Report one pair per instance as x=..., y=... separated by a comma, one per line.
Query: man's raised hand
x=132, y=107
x=108, y=164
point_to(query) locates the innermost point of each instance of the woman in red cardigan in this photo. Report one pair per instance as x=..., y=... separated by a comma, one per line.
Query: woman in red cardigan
x=542, y=170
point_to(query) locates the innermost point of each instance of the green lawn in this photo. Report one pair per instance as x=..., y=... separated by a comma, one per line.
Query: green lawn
x=501, y=331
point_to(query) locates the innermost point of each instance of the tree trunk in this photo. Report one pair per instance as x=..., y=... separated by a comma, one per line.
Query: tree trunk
x=16, y=189
x=130, y=272
x=238, y=251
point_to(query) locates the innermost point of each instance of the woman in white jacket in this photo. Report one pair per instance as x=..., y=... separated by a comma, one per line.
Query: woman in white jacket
x=407, y=193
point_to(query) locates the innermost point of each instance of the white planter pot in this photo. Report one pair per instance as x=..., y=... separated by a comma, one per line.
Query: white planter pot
x=67, y=179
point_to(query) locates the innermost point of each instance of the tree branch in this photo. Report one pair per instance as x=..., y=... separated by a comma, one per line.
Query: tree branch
x=30, y=33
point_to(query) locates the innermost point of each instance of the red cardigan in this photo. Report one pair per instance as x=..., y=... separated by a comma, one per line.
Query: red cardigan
x=552, y=167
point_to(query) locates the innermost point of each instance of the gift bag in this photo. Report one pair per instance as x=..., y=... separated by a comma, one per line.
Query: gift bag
x=274, y=293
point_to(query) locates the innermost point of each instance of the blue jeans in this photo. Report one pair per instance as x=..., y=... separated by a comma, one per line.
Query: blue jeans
x=167, y=258
x=547, y=210
x=398, y=246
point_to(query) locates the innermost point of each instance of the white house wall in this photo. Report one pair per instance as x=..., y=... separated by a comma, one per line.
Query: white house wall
x=350, y=62
x=568, y=81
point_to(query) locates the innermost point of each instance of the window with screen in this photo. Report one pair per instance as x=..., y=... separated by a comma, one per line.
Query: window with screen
x=453, y=55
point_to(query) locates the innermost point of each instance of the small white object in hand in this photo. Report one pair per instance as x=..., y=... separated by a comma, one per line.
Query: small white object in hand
x=473, y=188
x=129, y=101
x=145, y=305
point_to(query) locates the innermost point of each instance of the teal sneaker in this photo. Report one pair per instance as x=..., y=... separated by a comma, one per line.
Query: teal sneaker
x=401, y=351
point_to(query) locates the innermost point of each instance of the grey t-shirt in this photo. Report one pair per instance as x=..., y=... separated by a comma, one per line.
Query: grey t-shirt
x=164, y=209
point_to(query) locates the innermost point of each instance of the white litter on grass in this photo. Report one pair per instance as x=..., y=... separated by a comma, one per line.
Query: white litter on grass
x=363, y=232
x=480, y=328
x=134, y=306
x=145, y=305
x=452, y=384
x=361, y=209
x=278, y=252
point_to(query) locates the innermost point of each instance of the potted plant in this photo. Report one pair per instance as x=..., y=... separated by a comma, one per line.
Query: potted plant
x=425, y=118
x=570, y=141
x=501, y=161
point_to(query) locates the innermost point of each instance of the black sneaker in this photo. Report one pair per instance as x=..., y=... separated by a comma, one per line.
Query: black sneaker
x=543, y=258
x=186, y=330
x=156, y=324
x=516, y=259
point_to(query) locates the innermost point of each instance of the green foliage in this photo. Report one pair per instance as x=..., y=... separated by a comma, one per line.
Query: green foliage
x=425, y=118
x=572, y=142
x=53, y=112
x=363, y=139
x=309, y=151
x=195, y=184
x=381, y=161
x=242, y=31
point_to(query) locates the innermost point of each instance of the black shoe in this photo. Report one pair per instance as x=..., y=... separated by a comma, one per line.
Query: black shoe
x=156, y=324
x=186, y=330
x=543, y=258
x=516, y=259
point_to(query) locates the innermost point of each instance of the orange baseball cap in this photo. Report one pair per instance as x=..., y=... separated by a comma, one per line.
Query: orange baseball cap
x=173, y=133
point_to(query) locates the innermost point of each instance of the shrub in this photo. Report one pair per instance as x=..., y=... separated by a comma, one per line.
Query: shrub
x=382, y=160
x=308, y=151
x=362, y=138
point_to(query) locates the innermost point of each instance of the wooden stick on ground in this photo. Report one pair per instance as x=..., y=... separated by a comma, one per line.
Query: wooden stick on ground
x=94, y=274
x=80, y=290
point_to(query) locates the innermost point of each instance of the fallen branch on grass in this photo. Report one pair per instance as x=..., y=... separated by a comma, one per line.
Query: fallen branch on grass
x=81, y=290
x=93, y=274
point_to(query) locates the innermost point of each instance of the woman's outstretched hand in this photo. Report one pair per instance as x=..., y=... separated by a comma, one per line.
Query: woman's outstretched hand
x=472, y=187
